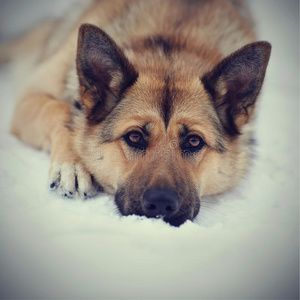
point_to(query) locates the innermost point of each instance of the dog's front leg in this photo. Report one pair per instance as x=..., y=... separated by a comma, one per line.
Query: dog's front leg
x=41, y=121
x=67, y=174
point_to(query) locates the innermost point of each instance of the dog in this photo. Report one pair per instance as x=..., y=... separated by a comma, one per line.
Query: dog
x=152, y=101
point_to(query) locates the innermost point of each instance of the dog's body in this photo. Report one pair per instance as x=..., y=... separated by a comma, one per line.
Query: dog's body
x=154, y=110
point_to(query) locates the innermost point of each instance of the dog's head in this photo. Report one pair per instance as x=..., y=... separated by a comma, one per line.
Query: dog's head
x=166, y=128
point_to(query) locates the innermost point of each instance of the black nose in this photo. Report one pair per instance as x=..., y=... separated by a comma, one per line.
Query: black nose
x=160, y=201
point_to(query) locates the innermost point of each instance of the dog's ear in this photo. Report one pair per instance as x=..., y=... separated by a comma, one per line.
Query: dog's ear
x=235, y=82
x=103, y=71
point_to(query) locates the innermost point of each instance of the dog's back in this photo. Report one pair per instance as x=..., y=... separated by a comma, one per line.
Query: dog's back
x=217, y=27
x=210, y=29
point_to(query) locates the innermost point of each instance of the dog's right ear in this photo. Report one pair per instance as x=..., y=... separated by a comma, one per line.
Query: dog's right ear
x=103, y=71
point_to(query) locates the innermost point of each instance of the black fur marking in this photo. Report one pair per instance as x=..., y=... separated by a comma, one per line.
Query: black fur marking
x=77, y=105
x=219, y=147
x=145, y=130
x=184, y=131
x=76, y=183
x=120, y=200
x=167, y=103
x=159, y=42
x=168, y=45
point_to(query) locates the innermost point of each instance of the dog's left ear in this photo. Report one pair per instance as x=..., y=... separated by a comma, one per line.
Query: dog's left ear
x=103, y=70
x=235, y=82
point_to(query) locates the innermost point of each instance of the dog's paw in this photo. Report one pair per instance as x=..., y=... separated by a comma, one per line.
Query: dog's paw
x=71, y=180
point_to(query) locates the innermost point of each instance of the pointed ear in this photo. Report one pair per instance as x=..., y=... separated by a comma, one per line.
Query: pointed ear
x=235, y=82
x=103, y=70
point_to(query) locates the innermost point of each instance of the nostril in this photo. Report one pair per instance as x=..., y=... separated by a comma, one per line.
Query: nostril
x=152, y=206
x=169, y=208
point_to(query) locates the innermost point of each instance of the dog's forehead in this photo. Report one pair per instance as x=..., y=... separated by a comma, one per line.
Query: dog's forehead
x=161, y=98
x=169, y=97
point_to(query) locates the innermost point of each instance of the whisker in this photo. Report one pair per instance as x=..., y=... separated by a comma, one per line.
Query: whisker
x=211, y=210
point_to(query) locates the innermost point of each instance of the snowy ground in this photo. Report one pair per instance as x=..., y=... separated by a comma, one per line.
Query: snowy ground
x=244, y=245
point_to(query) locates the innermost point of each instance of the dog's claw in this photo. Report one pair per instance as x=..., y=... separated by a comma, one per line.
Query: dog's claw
x=53, y=185
x=68, y=195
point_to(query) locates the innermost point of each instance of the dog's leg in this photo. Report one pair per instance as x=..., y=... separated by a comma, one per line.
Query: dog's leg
x=41, y=121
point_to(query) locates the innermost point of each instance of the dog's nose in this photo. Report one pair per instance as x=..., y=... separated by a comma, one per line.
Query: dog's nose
x=160, y=201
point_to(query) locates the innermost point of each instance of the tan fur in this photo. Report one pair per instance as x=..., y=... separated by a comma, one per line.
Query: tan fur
x=174, y=43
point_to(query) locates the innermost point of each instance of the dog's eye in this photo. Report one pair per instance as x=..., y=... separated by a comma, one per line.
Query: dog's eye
x=136, y=140
x=135, y=137
x=192, y=143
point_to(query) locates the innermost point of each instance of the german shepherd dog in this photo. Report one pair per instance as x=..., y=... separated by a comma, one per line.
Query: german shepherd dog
x=151, y=100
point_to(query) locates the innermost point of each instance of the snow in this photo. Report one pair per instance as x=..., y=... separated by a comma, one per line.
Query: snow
x=243, y=245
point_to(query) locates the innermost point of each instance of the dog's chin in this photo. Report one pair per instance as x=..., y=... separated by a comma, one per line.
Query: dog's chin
x=181, y=217
x=177, y=221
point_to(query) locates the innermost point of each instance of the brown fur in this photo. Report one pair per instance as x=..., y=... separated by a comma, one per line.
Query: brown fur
x=168, y=70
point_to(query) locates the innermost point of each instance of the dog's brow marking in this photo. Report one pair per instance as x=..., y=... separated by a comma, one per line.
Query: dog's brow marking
x=184, y=130
x=166, y=104
x=145, y=129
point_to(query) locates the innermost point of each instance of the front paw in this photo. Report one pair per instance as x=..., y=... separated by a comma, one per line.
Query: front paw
x=72, y=180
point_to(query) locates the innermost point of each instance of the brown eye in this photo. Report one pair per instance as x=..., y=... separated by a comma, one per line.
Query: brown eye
x=135, y=140
x=194, y=141
x=135, y=137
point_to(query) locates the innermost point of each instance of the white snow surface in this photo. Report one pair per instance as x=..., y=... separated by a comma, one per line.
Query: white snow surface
x=243, y=245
